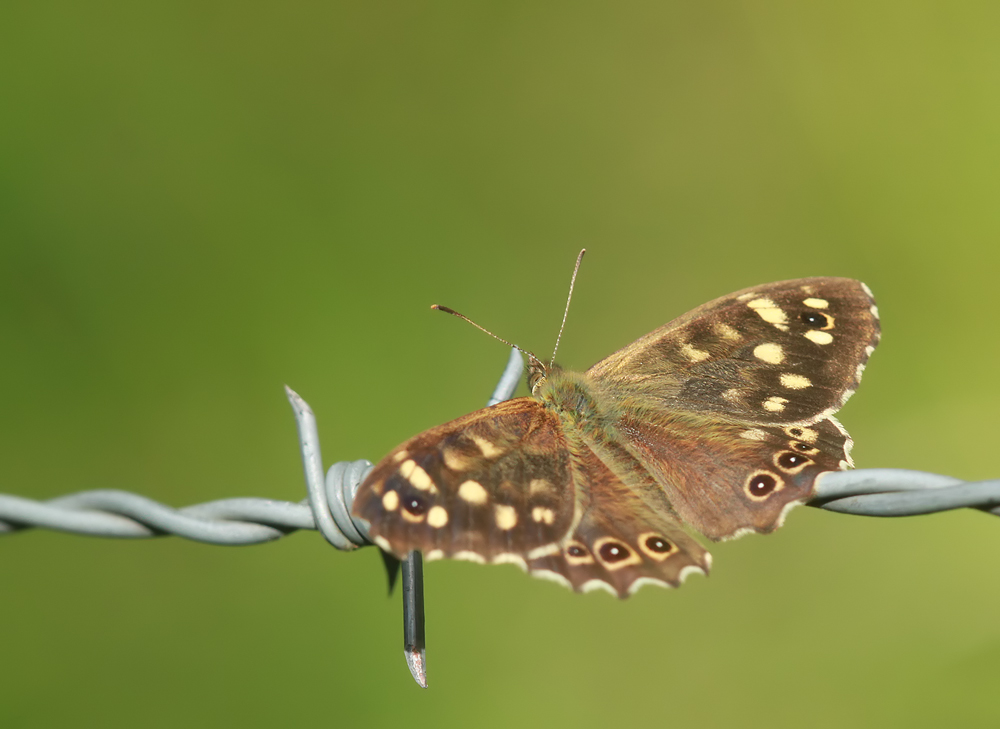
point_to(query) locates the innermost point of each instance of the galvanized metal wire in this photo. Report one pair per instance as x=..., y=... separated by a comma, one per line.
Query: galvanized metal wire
x=883, y=492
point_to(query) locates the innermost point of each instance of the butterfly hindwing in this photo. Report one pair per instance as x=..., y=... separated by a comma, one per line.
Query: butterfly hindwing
x=625, y=536
x=727, y=479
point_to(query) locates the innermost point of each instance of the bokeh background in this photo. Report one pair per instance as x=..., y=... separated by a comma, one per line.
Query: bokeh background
x=203, y=201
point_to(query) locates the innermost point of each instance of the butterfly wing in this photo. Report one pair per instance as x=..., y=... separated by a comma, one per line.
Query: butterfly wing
x=508, y=484
x=490, y=486
x=730, y=407
x=626, y=536
x=786, y=352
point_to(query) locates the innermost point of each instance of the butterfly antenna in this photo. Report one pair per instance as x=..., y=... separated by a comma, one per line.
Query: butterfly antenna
x=448, y=310
x=572, y=283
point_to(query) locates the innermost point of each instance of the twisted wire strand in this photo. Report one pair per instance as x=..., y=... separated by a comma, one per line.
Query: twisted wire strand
x=236, y=521
x=882, y=492
x=885, y=492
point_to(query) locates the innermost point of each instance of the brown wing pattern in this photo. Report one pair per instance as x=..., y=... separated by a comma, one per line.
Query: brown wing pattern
x=720, y=420
x=490, y=486
x=625, y=537
x=727, y=479
x=786, y=352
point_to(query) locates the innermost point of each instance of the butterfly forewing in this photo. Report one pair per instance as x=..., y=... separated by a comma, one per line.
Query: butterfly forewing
x=490, y=486
x=784, y=352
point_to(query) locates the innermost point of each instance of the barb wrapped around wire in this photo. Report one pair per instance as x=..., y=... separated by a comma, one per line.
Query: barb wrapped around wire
x=110, y=513
x=239, y=521
x=882, y=492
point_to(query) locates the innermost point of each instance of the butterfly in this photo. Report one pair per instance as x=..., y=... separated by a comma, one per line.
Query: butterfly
x=716, y=423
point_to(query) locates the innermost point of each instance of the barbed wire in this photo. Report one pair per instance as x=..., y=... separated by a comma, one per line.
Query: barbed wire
x=882, y=492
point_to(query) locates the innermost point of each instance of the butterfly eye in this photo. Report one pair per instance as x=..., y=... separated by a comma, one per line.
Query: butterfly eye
x=762, y=484
x=816, y=320
x=804, y=447
x=791, y=462
x=658, y=544
x=577, y=554
x=613, y=552
x=415, y=505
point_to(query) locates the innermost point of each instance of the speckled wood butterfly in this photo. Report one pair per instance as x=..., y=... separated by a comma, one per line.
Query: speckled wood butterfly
x=719, y=421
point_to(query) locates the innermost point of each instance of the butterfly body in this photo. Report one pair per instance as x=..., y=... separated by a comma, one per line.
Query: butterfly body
x=716, y=423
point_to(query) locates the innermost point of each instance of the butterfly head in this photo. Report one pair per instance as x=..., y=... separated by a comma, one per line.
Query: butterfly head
x=537, y=373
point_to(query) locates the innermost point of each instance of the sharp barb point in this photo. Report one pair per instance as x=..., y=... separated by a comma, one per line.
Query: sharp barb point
x=416, y=661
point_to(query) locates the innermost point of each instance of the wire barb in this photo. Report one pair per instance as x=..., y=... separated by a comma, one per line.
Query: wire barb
x=238, y=521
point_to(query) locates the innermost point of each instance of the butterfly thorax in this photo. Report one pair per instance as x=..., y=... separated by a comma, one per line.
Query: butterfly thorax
x=572, y=396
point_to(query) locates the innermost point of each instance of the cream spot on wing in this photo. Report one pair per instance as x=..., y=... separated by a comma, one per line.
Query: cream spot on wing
x=867, y=290
x=869, y=349
x=437, y=517
x=846, y=396
x=731, y=395
x=591, y=585
x=540, y=486
x=400, y=456
x=643, y=581
x=807, y=289
x=490, y=450
x=754, y=434
x=434, y=554
x=419, y=478
x=382, y=543
x=816, y=303
x=770, y=352
x=769, y=312
x=795, y=382
x=412, y=518
x=390, y=502
x=545, y=550
x=775, y=404
x=726, y=332
x=407, y=468
x=858, y=371
x=541, y=514
x=473, y=492
x=804, y=434
x=552, y=577
x=511, y=558
x=695, y=355
x=818, y=337
x=691, y=569
x=874, y=311
x=456, y=460
x=469, y=557
x=505, y=516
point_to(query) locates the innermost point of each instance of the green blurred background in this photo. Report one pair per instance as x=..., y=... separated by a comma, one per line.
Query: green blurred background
x=202, y=201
